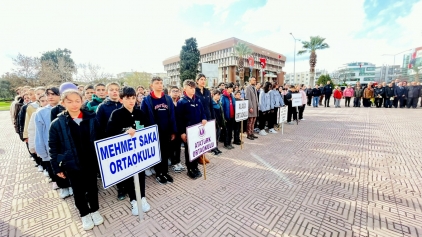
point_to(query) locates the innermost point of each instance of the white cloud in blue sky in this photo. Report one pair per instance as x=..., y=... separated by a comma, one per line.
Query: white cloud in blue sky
x=139, y=35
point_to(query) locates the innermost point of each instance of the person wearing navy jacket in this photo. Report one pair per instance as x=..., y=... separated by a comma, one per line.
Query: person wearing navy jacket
x=189, y=111
x=228, y=103
x=400, y=94
x=159, y=110
x=204, y=95
x=327, y=91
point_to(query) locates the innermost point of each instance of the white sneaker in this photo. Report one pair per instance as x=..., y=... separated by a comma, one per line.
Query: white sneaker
x=148, y=172
x=64, y=193
x=262, y=133
x=40, y=168
x=176, y=168
x=70, y=191
x=256, y=130
x=145, y=206
x=97, y=218
x=290, y=123
x=152, y=170
x=272, y=130
x=169, y=162
x=45, y=172
x=181, y=166
x=303, y=119
x=134, y=207
x=87, y=222
x=55, y=187
x=266, y=127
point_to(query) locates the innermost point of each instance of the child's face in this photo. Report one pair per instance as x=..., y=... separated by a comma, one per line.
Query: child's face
x=113, y=92
x=88, y=94
x=190, y=91
x=72, y=103
x=216, y=97
x=129, y=102
x=39, y=93
x=26, y=98
x=100, y=92
x=201, y=82
x=52, y=98
x=229, y=90
x=32, y=96
x=174, y=93
x=43, y=101
x=157, y=86
x=237, y=96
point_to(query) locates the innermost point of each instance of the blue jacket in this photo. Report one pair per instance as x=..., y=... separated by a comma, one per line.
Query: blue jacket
x=225, y=104
x=265, y=103
x=206, y=100
x=219, y=115
x=147, y=108
x=63, y=153
x=277, y=98
x=104, y=111
x=42, y=126
x=189, y=112
x=399, y=92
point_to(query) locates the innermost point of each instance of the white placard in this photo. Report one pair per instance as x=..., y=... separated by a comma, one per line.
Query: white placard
x=122, y=156
x=201, y=139
x=241, y=110
x=296, y=99
x=282, y=114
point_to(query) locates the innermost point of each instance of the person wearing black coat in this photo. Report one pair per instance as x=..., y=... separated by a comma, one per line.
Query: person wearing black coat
x=291, y=111
x=328, y=91
x=389, y=96
x=413, y=94
x=316, y=93
x=400, y=94
x=309, y=95
x=379, y=94
x=72, y=152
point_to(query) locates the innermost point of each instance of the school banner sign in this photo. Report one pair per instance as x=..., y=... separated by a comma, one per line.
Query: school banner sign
x=282, y=115
x=201, y=139
x=241, y=110
x=296, y=99
x=122, y=156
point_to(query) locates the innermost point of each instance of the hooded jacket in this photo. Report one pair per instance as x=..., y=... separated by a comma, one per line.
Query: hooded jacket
x=104, y=111
x=338, y=94
x=189, y=112
x=42, y=127
x=219, y=114
x=225, y=103
x=64, y=149
x=348, y=92
x=93, y=104
x=147, y=107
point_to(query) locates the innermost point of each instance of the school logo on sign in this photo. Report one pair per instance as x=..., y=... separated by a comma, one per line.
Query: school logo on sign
x=201, y=131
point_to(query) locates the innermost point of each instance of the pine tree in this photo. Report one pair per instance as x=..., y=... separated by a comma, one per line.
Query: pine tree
x=189, y=59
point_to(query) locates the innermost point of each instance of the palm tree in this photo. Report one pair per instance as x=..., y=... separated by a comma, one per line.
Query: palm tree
x=241, y=50
x=415, y=69
x=316, y=43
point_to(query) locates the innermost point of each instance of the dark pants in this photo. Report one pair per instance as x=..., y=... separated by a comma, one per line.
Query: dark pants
x=347, y=101
x=263, y=117
x=320, y=99
x=165, y=147
x=378, y=102
x=309, y=100
x=175, y=150
x=412, y=102
x=388, y=103
x=327, y=100
x=402, y=102
x=237, y=131
x=291, y=111
x=301, y=110
x=230, y=126
x=47, y=166
x=356, y=102
x=190, y=165
x=272, y=118
x=366, y=102
x=396, y=102
x=129, y=186
x=85, y=191
x=217, y=135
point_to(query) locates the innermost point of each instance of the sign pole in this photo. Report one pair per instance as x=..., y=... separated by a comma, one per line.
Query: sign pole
x=138, y=197
x=205, y=167
x=241, y=134
x=297, y=115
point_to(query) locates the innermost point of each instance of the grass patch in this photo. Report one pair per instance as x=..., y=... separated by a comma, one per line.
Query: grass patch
x=4, y=106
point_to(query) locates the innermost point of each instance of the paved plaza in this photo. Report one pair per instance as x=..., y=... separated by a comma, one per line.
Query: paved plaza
x=342, y=172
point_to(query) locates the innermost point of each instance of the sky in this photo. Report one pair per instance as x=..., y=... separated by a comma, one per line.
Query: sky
x=123, y=36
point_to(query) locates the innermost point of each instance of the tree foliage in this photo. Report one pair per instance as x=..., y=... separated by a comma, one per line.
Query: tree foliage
x=189, y=59
x=92, y=73
x=57, y=66
x=136, y=79
x=6, y=90
x=323, y=79
x=241, y=50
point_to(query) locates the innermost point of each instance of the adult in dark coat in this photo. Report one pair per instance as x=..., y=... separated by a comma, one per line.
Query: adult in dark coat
x=413, y=94
x=400, y=95
x=328, y=91
x=252, y=96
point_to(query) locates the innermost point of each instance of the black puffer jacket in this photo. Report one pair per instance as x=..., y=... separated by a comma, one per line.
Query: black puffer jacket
x=72, y=145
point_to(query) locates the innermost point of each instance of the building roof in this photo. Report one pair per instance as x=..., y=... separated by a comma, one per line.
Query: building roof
x=224, y=44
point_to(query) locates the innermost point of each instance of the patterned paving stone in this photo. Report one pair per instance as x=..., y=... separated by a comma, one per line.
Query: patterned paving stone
x=342, y=172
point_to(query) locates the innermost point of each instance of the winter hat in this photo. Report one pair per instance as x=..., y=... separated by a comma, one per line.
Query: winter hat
x=53, y=89
x=67, y=86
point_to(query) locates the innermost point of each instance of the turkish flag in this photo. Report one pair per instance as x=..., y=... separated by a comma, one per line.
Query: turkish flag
x=263, y=62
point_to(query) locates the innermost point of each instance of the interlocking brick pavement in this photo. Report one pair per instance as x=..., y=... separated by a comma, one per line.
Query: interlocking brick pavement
x=342, y=172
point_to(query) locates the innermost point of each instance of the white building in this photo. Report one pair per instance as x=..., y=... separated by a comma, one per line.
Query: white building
x=351, y=73
x=303, y=77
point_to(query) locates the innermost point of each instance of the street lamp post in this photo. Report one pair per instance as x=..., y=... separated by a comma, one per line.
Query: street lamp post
x=394, y=58
x=294, y=59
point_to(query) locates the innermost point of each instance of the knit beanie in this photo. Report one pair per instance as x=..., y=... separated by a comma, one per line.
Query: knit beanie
x=67, y=86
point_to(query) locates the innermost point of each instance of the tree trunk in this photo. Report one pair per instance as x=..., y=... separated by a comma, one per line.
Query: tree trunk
x=312, y=63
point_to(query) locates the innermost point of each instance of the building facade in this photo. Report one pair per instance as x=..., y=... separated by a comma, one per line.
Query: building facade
x=351, y=73
x=304, y=77
x=222, y=54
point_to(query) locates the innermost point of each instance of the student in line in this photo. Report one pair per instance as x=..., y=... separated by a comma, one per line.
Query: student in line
x=159, y=109
x=236, y=130
x=176, y=143
x=304, y=100
x=71, y=142
x=189, y=112
x=42, y=102
x=266, y=108
x=219, y=118
x=97, y=98
x=125, y=120
x=88, y=92
x=228, y=103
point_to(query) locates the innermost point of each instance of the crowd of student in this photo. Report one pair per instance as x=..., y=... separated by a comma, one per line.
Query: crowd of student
x=59, y=125
x=395, y=94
